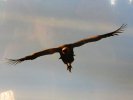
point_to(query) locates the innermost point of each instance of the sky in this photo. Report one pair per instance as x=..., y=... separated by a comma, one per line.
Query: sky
x=101, y=71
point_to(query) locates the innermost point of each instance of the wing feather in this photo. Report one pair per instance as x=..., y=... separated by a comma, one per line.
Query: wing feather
x=33, y=56
x=99, y=37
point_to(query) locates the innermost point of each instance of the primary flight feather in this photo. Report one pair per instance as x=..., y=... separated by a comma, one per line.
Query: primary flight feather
x=66, y=51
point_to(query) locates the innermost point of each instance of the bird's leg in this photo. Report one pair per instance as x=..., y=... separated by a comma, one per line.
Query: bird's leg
x=69, y=67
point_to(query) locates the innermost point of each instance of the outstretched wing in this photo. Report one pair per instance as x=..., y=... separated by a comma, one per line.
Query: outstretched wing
x=98, y=37
x=33, y=56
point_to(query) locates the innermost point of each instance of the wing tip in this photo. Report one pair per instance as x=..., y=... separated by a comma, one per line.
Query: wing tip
x=121, y=29
x=123, y=26
x=13, y=61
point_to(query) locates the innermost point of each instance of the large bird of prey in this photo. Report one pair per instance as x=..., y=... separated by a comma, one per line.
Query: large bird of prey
x=66, y=51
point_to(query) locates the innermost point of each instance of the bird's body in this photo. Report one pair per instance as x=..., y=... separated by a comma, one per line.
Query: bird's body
x=67, y=55
x=66, y=51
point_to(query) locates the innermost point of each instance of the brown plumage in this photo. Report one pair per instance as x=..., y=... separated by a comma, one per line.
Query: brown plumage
x=66, y=51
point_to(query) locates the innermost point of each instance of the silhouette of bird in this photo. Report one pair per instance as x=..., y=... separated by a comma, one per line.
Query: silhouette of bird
x=66, y=51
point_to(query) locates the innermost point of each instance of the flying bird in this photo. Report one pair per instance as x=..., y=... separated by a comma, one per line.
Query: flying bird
x=66, y=51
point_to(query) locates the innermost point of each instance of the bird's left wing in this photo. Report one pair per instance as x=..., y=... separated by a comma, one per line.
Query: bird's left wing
x=98, y=37
x=33, y=56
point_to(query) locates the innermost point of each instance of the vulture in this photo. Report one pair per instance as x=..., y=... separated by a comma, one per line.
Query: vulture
x=66, y=51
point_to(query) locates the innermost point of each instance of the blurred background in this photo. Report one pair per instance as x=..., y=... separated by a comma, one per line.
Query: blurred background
x=101, y=71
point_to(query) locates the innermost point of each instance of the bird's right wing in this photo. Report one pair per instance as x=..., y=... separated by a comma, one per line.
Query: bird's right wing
x=98, y=37
x=33, y=56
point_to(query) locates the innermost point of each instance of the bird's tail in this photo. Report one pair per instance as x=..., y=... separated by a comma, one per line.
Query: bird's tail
x=69, y=67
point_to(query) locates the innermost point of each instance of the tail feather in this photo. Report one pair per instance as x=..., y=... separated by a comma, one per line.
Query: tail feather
x=69, y=67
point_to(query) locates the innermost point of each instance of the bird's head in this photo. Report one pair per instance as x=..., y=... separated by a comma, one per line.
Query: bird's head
x=65, y=50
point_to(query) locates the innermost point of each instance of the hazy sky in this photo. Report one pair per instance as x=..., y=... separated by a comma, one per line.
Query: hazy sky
x=101, y=71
